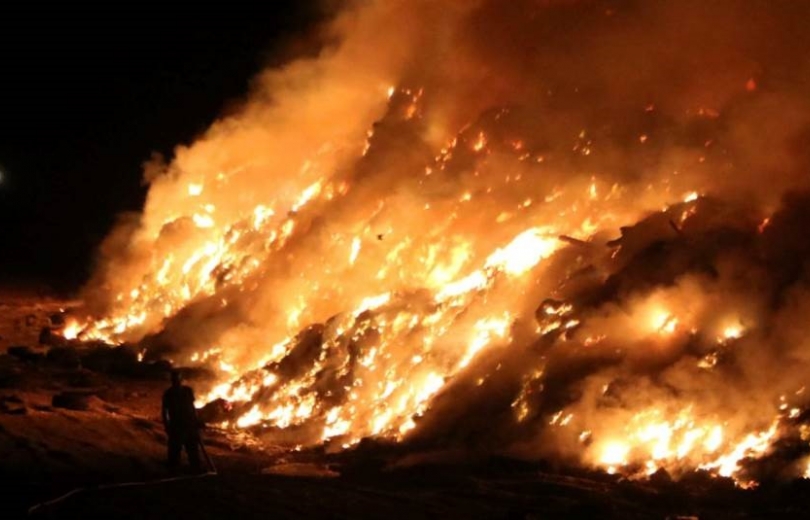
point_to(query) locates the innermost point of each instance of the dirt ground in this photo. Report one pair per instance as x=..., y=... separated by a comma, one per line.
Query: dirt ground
x=23, y=314
x=111, y=446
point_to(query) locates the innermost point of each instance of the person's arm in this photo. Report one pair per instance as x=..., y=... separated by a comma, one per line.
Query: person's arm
x=197, y=423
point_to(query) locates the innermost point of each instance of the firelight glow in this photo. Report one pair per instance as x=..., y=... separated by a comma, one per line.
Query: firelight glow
x=417, y=225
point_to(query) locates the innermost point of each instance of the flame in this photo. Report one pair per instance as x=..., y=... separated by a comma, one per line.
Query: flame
x=480, y=142
x=613, y=454
x=71, y=330
x=662, y=321
x=523, y=253
x=364, y=242
x=733, y=332
x=392, y=403
x=654, y=439
x=355, y=250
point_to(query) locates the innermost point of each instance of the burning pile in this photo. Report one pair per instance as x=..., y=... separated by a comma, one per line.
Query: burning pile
x=551, y=229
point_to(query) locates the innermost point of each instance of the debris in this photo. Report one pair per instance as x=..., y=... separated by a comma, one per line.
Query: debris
x=25, y=353
x=45, y=336
x=79, y=401
x=64, y=357
x=300, y=469
x=216, y=411
x=10, y=376
x=12, y=405
x=84, y=378
x=156, y=370
x=661, y=478
x=112, y=360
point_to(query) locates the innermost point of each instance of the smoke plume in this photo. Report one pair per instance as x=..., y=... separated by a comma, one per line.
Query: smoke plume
x=546, y=228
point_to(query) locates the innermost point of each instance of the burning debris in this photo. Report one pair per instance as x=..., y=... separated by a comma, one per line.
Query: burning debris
x=415, y=229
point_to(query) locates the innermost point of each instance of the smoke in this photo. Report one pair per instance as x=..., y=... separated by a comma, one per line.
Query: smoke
x=367, y=248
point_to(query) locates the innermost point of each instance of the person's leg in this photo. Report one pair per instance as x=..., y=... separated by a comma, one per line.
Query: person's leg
x=192, y=445
x=175, y=445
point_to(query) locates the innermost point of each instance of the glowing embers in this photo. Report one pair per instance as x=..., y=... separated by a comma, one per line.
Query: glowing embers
x=261, y=214
x=661, y=315
x=524, y=252
x=677, y=441
x=553, y=316
x=613, y=455
x=355, y=250
x=418, y=279
x=662, y=321
x=71, y=330
x=203, y=221
x=220, y=255
x=654, y=439
x=480, y=142
x=752, y=445
x=709, y=361
x=486, y=330
x=307, y=195
x=731, y=332
x=764, y=224
x=379, y=366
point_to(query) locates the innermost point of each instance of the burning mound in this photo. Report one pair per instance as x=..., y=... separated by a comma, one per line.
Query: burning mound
x=539, y=229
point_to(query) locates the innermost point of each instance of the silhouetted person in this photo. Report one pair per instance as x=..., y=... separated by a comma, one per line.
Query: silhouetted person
x=180, y=420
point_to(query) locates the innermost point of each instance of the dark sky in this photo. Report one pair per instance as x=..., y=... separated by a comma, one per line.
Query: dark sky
x=86, y=95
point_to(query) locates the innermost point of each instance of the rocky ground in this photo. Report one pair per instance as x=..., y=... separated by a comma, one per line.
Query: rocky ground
x=87, y=418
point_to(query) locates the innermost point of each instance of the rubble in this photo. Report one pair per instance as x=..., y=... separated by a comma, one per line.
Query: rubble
x=26, y=354
x=64, y=357
x=111, y=360
x=12, y=405
x=72, y=400
x=216, y=411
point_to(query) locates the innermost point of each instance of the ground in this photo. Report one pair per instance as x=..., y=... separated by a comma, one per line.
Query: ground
x=106, y=440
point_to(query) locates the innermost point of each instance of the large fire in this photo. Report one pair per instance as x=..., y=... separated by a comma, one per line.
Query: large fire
x=385, y=237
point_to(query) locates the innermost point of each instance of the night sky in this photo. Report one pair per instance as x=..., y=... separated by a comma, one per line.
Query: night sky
x=87, y=95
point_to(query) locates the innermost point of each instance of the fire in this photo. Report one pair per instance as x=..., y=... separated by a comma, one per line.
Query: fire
x=613, y=454
x=392, y=403
x=733, y=332
x=480, y=143
x=71, y=330
x=379, y=236
x=662, y=321
x=654, y=439
x=355, y=250
x=307, y=195
x=523, y=253
x=485, y=330
x=752, y=444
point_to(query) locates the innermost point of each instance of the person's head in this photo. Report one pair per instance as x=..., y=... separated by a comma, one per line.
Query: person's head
x=177, y=378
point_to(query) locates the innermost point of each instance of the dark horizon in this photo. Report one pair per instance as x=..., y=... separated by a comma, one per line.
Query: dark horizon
x=88, y=96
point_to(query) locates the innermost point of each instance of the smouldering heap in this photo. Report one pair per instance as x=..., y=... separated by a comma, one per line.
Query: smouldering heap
x=356, y=260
